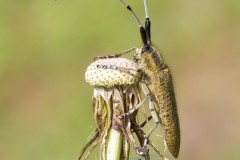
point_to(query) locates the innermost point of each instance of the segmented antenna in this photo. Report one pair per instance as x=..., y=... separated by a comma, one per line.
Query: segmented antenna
x=142, y=30
x=146, y=9
x=147, y=23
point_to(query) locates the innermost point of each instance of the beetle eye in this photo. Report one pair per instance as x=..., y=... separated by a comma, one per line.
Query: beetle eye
x=146, y=48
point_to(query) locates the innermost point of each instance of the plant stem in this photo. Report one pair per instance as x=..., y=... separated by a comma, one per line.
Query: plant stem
x=114, y=145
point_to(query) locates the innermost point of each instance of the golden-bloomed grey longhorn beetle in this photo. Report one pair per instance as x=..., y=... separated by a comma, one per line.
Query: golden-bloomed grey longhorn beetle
x=159, y=84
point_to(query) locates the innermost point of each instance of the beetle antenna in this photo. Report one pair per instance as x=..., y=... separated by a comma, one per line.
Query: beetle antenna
x=147, y=22
x=142, y=30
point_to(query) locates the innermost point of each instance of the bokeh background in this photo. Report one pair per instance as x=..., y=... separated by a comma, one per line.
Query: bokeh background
x=45, y=47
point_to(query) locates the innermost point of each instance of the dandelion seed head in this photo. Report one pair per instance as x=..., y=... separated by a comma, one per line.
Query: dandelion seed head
x=111, y=72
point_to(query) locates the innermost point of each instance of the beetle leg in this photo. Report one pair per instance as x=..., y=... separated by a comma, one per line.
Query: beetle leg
x=116, y=55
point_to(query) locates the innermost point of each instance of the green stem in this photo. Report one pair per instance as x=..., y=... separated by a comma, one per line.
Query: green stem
x=114, y=145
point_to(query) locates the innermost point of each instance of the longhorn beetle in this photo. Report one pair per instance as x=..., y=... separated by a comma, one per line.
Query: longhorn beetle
x=160, y=84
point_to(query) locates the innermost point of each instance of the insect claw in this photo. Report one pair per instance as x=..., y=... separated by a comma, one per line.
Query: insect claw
x=96, y=58
x=122, y=116
x=142, y=151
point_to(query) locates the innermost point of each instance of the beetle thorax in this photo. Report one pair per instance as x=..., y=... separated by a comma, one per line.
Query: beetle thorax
x=151, y=58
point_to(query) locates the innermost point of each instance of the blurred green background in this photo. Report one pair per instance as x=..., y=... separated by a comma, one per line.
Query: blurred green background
x=45, y=47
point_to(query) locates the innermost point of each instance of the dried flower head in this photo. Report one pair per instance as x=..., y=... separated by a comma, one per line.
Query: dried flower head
x=116, y=91
x=111, y=72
